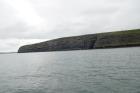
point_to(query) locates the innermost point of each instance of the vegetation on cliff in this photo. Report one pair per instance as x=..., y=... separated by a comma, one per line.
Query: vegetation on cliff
x=91, y=41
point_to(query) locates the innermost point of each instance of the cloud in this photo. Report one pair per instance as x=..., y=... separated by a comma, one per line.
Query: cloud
x=12, y=44
x=8, y=45
x=25, y=12
x=36, y=20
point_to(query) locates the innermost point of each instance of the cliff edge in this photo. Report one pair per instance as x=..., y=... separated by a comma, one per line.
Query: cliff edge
x=90, y=41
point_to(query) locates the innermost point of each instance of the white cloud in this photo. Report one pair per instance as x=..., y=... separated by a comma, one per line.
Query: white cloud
x=47, y=19
x=8, y=45
x=25, y=12
x=12, y=44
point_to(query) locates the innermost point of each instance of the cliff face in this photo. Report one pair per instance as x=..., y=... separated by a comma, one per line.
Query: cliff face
x=67, y=43
x=118, y=39
x=92, y=41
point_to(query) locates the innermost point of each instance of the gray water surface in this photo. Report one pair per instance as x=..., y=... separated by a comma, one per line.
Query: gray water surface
x=88, y=71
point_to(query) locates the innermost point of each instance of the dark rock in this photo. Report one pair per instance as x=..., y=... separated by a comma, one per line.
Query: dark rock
x=92, y=41
x=67, y=43
x=118, y=39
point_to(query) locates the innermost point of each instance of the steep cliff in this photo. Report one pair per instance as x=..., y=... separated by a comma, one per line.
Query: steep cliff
x=91, y=41
x=118, y=39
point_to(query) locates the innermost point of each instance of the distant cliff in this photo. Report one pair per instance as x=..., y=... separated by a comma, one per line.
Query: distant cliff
x=91, y=41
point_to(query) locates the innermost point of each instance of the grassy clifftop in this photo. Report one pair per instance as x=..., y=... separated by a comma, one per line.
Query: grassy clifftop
x=91, y=41
x=118, y=39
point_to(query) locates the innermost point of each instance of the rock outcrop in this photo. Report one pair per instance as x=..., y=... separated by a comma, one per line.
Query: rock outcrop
x=91, y=41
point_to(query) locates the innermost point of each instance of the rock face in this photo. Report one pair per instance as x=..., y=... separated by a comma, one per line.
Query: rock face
x=68, y=43
x=92, y=41
x=118, y=39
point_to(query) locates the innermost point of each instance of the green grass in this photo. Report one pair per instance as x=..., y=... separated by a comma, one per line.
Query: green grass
x=135, y=31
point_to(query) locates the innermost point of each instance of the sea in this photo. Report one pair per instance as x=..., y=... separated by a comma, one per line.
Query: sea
x=115, y=70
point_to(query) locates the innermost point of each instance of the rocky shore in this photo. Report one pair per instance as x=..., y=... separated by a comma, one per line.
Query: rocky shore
x=91, y=41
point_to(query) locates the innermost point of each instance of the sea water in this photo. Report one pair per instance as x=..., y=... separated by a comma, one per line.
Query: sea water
x=87, y=71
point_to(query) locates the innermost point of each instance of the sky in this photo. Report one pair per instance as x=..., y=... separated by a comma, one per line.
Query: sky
x=29, y=21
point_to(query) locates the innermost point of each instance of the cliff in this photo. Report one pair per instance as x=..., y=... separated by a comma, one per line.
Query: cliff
x=91, y=41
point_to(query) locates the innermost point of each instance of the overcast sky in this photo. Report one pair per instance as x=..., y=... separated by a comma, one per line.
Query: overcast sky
x=29, y=21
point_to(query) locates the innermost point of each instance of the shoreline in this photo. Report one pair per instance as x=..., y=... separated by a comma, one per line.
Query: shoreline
x=80, y=50
x=70, y=50
x=129, y=38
